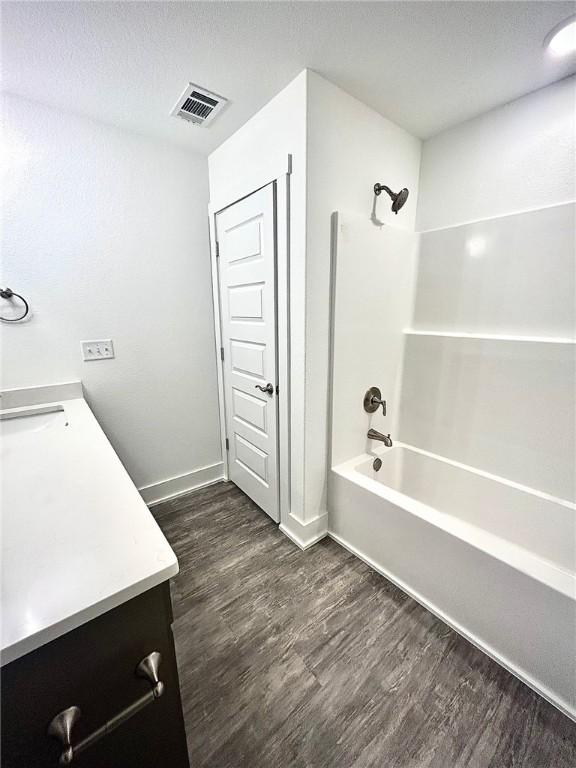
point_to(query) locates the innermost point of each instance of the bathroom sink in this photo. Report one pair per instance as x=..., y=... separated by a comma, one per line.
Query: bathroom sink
x=32, y=420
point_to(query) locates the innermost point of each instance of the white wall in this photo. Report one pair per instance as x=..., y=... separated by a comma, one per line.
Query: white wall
x=490, y=368
x=515, y=158
x=373, y=291
x=251, y=157
x=350, y=147
x=105, y=232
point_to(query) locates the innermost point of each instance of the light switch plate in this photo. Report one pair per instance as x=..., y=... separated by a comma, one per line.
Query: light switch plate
x=97, y=350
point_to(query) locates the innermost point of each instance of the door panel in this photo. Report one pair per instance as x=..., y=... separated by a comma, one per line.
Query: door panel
x=251, y=458
x=247, y=358
x=247, y=275
x=249, y=409
x=245, y=302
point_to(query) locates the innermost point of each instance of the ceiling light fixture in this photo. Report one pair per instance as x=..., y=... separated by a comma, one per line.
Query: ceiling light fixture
x=562, y=39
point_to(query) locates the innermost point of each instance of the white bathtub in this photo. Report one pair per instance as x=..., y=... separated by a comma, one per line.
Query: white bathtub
x=493, y=559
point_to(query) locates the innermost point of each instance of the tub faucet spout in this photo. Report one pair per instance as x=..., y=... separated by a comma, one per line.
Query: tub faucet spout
x=375, y=435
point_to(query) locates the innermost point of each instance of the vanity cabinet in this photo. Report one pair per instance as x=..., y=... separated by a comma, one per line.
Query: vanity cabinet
x=94, y=668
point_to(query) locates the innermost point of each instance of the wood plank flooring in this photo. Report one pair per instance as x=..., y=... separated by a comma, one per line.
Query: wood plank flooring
x=292, y=659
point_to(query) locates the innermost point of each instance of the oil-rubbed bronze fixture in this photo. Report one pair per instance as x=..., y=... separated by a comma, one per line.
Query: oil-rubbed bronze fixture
x=398, y=198
x=9, y=294
x=373, y=401
x=373, y=434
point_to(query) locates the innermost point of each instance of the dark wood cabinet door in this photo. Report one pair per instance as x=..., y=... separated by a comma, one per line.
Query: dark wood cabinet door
x=93, y=667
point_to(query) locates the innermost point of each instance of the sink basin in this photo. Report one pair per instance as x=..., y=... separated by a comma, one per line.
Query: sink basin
x=32, y=420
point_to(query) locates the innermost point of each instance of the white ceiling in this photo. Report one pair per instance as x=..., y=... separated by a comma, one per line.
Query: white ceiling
x=424, y=65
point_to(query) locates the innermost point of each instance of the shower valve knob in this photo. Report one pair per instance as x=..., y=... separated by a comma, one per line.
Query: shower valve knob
x=373, y=401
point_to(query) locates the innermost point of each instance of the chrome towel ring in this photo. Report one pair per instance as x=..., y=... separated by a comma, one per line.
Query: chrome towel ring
x=8, y=293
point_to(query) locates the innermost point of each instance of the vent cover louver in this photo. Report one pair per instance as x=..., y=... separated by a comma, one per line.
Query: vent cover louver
x=197, y=105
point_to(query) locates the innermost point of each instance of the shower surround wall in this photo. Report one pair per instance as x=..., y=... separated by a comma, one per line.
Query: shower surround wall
x=489, y=372
x=350, y=148
x=378, y=265
x=489, y=369
x=484, y=365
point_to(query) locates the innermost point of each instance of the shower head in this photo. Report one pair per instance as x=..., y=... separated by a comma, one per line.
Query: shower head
x=398, y=198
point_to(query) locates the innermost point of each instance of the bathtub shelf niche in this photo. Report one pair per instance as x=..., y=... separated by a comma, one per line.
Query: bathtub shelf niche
x=491, y=337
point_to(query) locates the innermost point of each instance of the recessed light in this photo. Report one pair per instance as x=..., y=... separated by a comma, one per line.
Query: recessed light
x=562, y=39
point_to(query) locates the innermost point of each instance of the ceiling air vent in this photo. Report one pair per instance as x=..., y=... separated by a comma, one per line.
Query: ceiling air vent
x=198, y=106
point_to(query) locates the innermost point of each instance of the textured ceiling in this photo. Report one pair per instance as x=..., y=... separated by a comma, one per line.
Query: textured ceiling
x=424, y=65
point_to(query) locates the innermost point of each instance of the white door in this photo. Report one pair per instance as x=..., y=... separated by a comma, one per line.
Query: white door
x=246, y=248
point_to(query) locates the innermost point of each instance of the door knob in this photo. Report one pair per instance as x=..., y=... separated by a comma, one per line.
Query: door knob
x=268, y=388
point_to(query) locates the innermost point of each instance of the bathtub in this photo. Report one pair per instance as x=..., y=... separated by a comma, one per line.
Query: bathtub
x=493, y=559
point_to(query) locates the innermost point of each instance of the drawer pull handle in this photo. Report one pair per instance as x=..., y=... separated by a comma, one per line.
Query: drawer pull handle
x=62, y=725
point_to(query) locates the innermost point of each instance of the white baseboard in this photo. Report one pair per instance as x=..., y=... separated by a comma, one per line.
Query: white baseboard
x=177, y=486
x=305, y=535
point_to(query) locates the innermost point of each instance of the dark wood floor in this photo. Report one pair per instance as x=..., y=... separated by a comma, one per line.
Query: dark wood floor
x=312, y=660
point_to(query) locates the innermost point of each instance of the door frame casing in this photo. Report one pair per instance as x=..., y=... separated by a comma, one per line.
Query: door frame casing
x=281, y=176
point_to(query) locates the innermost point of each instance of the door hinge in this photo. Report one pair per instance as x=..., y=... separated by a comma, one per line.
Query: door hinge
x=227, y=444
x=277, y=389
x=217, y=249
x=222, y=354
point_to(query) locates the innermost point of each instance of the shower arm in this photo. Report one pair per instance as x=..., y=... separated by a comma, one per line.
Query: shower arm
x=382, y=187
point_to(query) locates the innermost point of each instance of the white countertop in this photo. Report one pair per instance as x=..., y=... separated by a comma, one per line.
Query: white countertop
x=77, y=538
